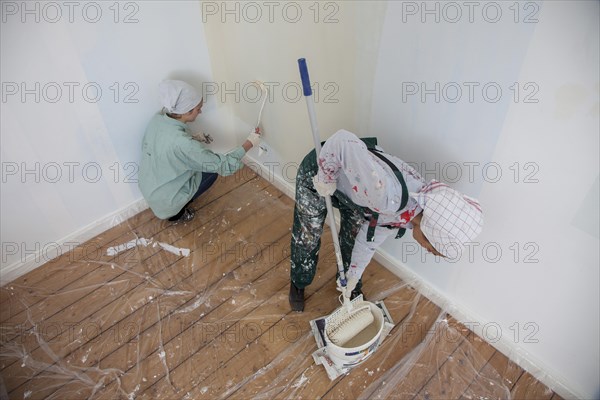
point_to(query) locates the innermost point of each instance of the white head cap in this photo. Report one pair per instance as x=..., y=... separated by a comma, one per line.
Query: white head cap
x=450, y=219
x=178, y=97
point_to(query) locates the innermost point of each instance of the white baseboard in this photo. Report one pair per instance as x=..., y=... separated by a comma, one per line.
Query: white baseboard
x=32, y=261
x=515, y=353
x=273, y=177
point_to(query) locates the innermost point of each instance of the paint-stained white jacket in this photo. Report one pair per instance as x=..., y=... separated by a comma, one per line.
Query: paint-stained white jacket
x=368, y=182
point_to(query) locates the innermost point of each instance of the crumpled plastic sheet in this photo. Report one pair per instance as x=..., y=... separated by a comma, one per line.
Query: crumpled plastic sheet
x=148, y=323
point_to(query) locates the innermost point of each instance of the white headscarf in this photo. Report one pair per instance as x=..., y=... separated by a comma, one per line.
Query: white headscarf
x=178, y=97
x=450, y=218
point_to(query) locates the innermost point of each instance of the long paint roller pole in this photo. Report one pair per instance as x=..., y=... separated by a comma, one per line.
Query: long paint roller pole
x=347, y=321
x=315, y=132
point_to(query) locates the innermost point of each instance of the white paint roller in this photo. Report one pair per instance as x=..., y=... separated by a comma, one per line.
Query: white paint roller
x=265, y=93
x=348, y=322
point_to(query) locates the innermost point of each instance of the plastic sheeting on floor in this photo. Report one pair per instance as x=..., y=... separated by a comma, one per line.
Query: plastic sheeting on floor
x=152, y=310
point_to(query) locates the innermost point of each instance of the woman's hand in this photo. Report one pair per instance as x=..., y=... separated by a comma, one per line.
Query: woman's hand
x=203, y=137
x=252, y=140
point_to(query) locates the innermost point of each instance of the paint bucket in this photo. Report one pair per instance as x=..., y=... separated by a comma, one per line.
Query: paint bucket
x=359, y=348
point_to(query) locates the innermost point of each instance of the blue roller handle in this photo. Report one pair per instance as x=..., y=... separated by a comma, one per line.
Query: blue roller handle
x=304, y=76
x=315, y=132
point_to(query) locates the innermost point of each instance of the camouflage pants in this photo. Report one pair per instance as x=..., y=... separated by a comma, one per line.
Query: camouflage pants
x=309, y=216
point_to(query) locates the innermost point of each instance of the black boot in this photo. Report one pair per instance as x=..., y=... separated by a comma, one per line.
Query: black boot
x=296, y=298
x=185, y=215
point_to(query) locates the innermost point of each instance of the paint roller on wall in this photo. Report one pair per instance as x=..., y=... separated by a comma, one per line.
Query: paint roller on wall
x=262, y=147
x=265, y=94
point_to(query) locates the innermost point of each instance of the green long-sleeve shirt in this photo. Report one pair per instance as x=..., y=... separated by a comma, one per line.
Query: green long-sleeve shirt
x=172, y=165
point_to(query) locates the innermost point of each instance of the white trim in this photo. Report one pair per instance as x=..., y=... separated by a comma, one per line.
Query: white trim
x=274, y=177
x=476, y=324
x=31, y=262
